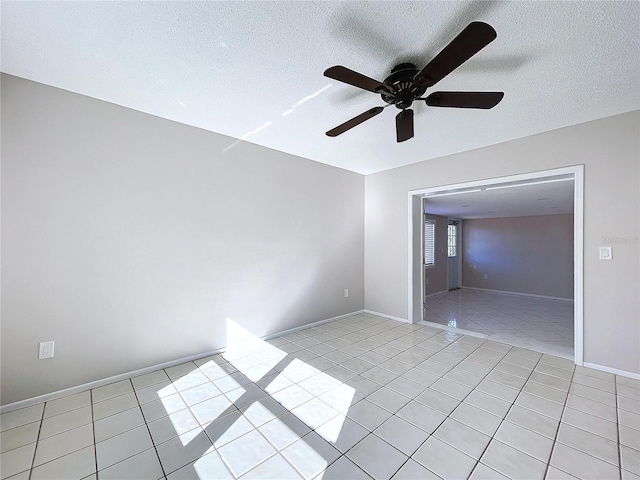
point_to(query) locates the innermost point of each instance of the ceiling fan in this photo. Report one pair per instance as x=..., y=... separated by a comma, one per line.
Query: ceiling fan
x=406, y=84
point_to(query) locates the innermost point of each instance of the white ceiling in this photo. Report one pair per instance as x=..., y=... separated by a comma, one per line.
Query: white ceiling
x=548, y=196
x=253, y=70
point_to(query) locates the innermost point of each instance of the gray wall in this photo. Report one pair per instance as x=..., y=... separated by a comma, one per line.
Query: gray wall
x=438, y=274
x=129, y=239
x=531, y=254
x=610, y=151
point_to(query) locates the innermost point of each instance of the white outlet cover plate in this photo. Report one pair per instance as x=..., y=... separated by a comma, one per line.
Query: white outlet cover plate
x=606, y=253
x=45, y=350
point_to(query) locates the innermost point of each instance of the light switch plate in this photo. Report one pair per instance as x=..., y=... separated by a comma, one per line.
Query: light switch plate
x=606, y=253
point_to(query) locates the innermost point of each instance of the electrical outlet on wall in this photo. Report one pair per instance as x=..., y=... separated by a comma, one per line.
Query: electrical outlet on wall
x=45, y=350
x=486, y=276
x=606, y=253
x=346, y=292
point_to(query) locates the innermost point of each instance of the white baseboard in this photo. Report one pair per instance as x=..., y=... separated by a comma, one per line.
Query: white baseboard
x=615, y=371
x=310, y=325
x=135, y=373
x=391, y=317
x=99, y=383
x=503, y=292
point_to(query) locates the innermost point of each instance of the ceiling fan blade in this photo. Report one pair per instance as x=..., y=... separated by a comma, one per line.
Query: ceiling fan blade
x=404, y=125
x=354, y=121
x=470, y=41
x=464, y=99
x=343, y=74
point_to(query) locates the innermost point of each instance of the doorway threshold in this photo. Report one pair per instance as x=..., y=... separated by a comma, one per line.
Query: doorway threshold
x=540, y=347
x=448, y=328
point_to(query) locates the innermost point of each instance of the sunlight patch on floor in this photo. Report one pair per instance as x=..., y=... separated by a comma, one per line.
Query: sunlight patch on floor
x=215, y=389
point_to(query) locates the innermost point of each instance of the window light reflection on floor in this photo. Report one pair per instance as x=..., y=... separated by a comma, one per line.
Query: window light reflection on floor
x=246, y=352
x=249, y=354
x=310, y=395
x=209, y=464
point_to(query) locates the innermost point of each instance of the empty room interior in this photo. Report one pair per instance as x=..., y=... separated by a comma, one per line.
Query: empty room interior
x=511, y=239
x=320, y=240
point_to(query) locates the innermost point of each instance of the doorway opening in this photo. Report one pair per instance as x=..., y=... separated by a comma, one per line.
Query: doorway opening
x=447, y=205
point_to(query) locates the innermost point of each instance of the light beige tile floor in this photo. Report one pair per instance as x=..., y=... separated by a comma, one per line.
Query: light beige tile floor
x=541, y=324
x=362, y=397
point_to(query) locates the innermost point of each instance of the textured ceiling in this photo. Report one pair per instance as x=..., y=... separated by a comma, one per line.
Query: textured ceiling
x=548, y=196
x=253, y=70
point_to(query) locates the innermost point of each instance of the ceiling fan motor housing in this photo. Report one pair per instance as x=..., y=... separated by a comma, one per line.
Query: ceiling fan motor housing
x=401, y=83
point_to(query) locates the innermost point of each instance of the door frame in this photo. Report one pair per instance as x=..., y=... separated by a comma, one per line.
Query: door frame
x=416, y=239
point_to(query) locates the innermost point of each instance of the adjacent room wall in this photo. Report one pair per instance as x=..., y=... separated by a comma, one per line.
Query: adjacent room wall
x=437, y=275
x=532, y=255
x=129, y=239
x=610, y=152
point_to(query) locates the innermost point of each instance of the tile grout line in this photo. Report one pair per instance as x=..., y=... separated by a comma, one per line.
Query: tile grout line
x=572, y=382
x=404, y=348
x=232, y=404
x=344, y=454
x=121, y=433
x=146, y=424
x=512, y=403
x=444, y=347
x=35, y=448
x=615, y=391
x=448, y=415
x=134, y=391
x=277, y=452
x=555, y=438
x=392, y=414
x=509, y=311
x=93, y=429
x=484, y=377
x=505, y=415
x=60, y=433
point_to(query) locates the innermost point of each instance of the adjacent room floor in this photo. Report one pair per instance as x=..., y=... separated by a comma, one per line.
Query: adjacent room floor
x=356, y=398
x=539, y=324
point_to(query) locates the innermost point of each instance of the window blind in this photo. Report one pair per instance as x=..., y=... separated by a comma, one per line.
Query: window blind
x=429, y=242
